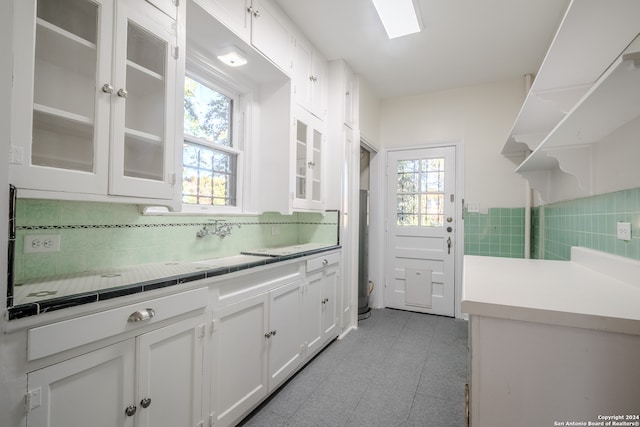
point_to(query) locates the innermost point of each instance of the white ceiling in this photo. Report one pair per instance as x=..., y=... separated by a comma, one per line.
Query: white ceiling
x=463, y=42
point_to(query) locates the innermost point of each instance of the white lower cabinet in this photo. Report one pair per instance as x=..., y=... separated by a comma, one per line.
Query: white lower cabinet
x=154, y=379
x=320, y=303
x=256, y=346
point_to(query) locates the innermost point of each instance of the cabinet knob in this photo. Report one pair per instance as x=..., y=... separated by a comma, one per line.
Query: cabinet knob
x=130, y=410
x=311, y=164
x=267, y=335
x=107, y=88
x=274, y=332
x=145, y=402
x=250, y=9
x=256, y=14
x=325, y=261
x=122, y=93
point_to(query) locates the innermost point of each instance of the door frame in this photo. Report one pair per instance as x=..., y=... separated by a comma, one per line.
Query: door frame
x=458, y=144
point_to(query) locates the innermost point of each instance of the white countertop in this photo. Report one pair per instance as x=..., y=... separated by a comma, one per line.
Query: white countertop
x=594, y=290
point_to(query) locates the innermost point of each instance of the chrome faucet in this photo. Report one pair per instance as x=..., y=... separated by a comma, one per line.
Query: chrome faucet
x=220, y=229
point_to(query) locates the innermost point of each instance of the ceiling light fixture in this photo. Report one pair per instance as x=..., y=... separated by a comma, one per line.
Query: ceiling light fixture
x=399, y=17
x=233, y=57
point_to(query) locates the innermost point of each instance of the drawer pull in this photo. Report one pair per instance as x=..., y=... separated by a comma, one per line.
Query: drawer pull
x=325, y=261
x=140, y=315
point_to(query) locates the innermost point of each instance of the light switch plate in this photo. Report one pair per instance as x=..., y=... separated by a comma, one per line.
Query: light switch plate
x=473, y=206
x=624, y=230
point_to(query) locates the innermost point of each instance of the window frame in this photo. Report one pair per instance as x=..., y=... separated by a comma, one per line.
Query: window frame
x=209, y=80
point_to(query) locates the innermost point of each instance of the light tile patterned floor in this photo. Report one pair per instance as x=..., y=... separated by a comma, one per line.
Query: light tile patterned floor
x=398, y=369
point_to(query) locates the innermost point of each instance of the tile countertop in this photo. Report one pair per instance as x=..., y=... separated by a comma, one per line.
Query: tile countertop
x=594, y=290
x=34, y=297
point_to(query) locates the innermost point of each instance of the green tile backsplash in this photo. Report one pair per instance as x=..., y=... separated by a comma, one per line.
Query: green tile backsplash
x=500, y=232
x=104, y=235
x=589, y=222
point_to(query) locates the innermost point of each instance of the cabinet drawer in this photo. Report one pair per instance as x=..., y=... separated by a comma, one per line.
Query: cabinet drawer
x=56, y=337
x=323, y=261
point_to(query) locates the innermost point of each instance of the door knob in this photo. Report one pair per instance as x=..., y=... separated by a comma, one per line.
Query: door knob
x=130, y=410
x=449, y=229
x=145, y=402
x=107, y=88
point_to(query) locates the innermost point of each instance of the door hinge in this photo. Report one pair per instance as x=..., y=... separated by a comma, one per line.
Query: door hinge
x=200, y=423
x=452, y=198
x=214, y=326
x=176, y=3
x=176, y=52
x=201, y=330
x=212, y=419
x=16, y=155
x=32, y=399
x=172, y=178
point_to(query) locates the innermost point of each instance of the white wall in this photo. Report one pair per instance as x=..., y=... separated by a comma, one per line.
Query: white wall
x=369, y=106
x=616, y=159
x=481, y=116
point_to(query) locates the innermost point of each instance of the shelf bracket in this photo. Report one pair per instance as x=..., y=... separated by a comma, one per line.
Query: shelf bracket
x=576, y=161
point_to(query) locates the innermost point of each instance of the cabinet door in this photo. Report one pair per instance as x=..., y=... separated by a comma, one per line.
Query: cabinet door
x=309, y=166
x=169, y=375
x=234, y=14
x=239, y=372
x=303, y=74
x=143, y=126
x=319, y=73
x=312, y=312
x=89, y=390
x=271, y=34
x=285, y=342
x=60, y=114
x=330, y=306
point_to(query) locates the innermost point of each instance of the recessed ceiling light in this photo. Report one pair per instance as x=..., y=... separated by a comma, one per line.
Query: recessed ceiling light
x=233, y=57
x=399, y=17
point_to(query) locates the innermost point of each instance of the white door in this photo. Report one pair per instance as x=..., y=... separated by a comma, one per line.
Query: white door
x=285, y=332
x=169, y=376
x=89, y=390
x=239, y=370
x=420, y=230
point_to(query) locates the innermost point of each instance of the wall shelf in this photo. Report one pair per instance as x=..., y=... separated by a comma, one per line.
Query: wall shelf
x=591, y=36
x=585, y=89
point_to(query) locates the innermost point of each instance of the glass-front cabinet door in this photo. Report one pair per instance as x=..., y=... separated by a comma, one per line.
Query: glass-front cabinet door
x=94, y=98
x=309, y=162
x=144, y=106
x=60, y=133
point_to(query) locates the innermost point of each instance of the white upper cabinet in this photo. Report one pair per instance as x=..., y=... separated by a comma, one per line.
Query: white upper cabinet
x=258, y=22
x=96, y=111
x=309, y=166
x=310, y=78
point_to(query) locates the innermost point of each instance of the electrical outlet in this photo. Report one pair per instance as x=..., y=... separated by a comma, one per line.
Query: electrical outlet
x=624, y=230
x=36, y=243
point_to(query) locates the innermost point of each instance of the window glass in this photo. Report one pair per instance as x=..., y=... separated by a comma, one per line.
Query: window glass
x=207, y=113
x=210, y=165
x=420, y=193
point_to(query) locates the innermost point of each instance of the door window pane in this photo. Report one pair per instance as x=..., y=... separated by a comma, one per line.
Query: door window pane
x=420, y=192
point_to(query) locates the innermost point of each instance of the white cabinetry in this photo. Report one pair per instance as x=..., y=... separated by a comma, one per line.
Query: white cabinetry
x=257, y=345
x=95, y=94
x=309, y=165
x=258, y=22
x=154, y=380
x=310, y=78
x=320, y=302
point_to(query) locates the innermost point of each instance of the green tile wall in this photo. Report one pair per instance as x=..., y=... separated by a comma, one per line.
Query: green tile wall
x=104, y=235
x=500, y=233
x=589, y=222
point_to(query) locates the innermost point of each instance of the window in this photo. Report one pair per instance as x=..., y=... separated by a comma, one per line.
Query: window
x=210, y=158
x=420, y=192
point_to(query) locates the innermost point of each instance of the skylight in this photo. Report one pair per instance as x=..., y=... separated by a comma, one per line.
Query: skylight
x=398, y=17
